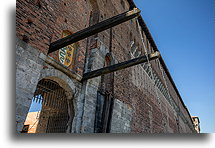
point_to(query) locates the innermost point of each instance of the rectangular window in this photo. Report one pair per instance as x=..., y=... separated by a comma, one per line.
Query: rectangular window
x=25, y=129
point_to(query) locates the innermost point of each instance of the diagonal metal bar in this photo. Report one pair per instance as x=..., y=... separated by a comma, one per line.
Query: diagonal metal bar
x=99, y=27
x=120, y=66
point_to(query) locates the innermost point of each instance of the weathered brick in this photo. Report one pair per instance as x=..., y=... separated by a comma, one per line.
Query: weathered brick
x=138, y=106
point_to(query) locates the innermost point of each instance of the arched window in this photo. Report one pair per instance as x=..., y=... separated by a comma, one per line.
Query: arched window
x=122, y=3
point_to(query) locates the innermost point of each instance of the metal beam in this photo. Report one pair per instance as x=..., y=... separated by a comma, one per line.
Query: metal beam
x=101, y=26
x=120, y=66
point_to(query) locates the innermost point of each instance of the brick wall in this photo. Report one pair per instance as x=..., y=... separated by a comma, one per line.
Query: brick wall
x=40, y=22
x=152, y=112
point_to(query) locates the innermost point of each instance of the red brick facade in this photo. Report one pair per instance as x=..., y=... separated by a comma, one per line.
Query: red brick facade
x=40, y=22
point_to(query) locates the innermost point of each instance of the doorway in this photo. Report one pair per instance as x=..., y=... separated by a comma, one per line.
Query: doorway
x=49, y=109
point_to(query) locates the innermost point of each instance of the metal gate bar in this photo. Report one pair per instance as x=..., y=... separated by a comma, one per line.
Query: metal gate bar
x=54, y=106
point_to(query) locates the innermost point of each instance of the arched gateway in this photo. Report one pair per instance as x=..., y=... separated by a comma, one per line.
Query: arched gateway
x=52, y=109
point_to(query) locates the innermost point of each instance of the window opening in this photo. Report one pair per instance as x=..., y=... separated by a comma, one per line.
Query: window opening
x=105, y=101
x=122, y=3
x=25, y=129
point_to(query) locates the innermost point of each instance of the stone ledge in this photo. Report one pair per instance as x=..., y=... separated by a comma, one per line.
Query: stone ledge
x=56, y=65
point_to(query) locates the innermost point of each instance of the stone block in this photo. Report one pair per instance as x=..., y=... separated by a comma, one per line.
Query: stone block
x=121, y=118
x=22, y=111
x=21, y=81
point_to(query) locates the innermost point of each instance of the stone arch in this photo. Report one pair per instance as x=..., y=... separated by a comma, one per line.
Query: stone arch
x=63, y=80
x=70, y=89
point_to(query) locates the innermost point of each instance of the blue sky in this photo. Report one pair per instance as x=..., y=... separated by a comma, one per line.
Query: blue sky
x=183, y=30
x=35, y=106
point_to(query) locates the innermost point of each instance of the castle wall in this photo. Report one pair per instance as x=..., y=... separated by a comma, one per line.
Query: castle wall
x=139, y=105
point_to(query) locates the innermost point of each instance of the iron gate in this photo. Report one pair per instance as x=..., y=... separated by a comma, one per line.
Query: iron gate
x=54, y=113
